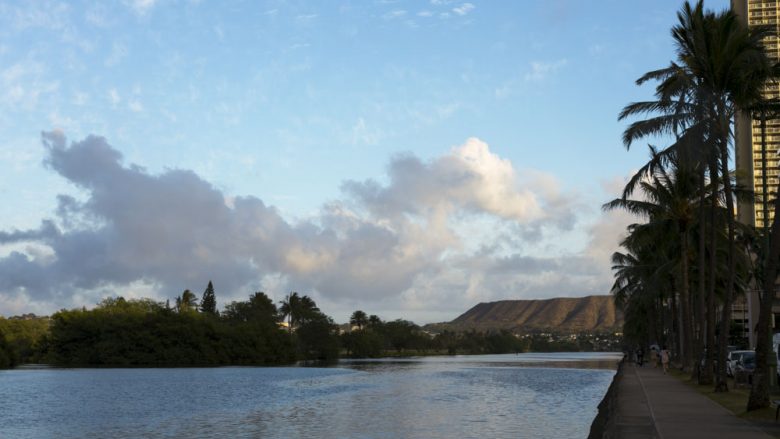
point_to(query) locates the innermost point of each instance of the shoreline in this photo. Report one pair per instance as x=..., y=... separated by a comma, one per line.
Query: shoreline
x=594, y=363
x=605, y=418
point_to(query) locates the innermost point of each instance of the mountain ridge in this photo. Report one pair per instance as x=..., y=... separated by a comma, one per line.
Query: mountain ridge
x=596, y=313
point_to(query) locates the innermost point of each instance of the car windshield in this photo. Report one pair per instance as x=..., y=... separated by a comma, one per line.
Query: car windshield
x=749, y=361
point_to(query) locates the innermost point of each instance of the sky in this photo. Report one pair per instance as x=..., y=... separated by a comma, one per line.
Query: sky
x=407, y=158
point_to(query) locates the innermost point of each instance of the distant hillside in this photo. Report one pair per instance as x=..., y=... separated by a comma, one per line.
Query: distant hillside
x=591, y=313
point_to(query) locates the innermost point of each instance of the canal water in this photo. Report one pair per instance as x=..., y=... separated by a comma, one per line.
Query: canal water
x=486, y=396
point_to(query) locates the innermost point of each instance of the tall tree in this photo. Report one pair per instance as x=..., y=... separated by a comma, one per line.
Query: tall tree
x=208, y=303
x=186, y=302
x=359, y=319
x=731, y=67
x=759, y=390
x=289, y=308
x=259, y=309
x=298, y=310
x=721, y=66
x=669, y=204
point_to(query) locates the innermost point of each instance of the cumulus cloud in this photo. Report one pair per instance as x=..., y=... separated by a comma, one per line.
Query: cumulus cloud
x=403, y=244
x=469, y=178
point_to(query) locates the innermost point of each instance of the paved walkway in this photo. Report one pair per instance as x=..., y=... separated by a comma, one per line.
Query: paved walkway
x=653, y=405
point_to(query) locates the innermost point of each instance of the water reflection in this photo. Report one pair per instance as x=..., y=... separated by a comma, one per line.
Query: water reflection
x=535, y=396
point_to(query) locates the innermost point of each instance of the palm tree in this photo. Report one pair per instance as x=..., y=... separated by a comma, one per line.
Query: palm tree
x=670, y=205
x=308, y=310
x=731, y=67
x=359, y=319
x=721, y=66
x=186, y=302
x=298, y=310
x=374, y=321
x=289, y=308
x=635, y=275
x=759, y=391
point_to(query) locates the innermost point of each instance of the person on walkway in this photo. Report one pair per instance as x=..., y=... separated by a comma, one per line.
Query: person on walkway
x=654, y=356
x=640, y=356
x=665, y=359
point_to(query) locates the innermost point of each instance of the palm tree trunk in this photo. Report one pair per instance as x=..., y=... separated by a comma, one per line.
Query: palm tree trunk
x=701, y=338
x=720, y=379
x=759, y=392
x=661, y=321
x=707, y=372
x=675, y=326
x=685, y=301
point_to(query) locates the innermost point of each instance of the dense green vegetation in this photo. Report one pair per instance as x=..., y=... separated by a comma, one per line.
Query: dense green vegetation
x=686, y=262
x=22, y=339
x=145, y=332
x=121, y=332
x=7, y=355
x=376, y=338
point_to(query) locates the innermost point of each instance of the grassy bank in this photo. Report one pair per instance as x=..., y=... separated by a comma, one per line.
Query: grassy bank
x=735, y=401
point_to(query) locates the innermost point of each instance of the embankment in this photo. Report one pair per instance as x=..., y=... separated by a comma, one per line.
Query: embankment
x=601, y=426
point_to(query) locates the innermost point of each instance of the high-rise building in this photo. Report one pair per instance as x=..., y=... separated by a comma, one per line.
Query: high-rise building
x=757, y=139
x=757, y=155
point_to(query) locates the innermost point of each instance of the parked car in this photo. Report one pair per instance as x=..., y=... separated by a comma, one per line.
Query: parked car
x=746, y=366
x=732, y=359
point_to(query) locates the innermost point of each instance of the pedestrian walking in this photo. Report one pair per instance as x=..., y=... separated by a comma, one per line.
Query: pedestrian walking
x=640, y=356
x=665, y=359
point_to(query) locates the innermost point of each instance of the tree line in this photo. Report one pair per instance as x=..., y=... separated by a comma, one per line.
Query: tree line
x=194, y=332
x=370, y=337
x=145, y=332
x=683, y=266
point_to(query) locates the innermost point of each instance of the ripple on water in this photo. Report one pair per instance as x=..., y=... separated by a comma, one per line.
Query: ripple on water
x=480, y=396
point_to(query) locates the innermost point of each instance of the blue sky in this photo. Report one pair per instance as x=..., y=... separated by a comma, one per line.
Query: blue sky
x=417, y=157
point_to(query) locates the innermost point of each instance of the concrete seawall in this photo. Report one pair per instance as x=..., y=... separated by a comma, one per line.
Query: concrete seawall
x=600, y=428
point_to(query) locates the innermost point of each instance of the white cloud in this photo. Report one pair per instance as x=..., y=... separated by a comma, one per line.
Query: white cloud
x=541, y=70
x=60, y=122
x=46, y=15
x=445, y=230
x=362, y=134
x=135, y=106
x=398, y=13
x=118, y=53
x=23, y=85
x=113, y=97
x=141, y=7
x=463, y=9
x=596, y=49
x=80, y=98
x=97, y=16
x=219, y=32
x=297, y=46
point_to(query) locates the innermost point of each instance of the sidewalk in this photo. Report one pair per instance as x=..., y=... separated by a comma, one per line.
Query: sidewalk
x=653, y=405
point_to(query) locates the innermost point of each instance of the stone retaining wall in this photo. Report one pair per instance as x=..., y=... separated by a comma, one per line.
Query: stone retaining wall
x=604, y=422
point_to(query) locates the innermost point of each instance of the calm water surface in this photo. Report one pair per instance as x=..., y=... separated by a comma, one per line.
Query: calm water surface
x=487, y=396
